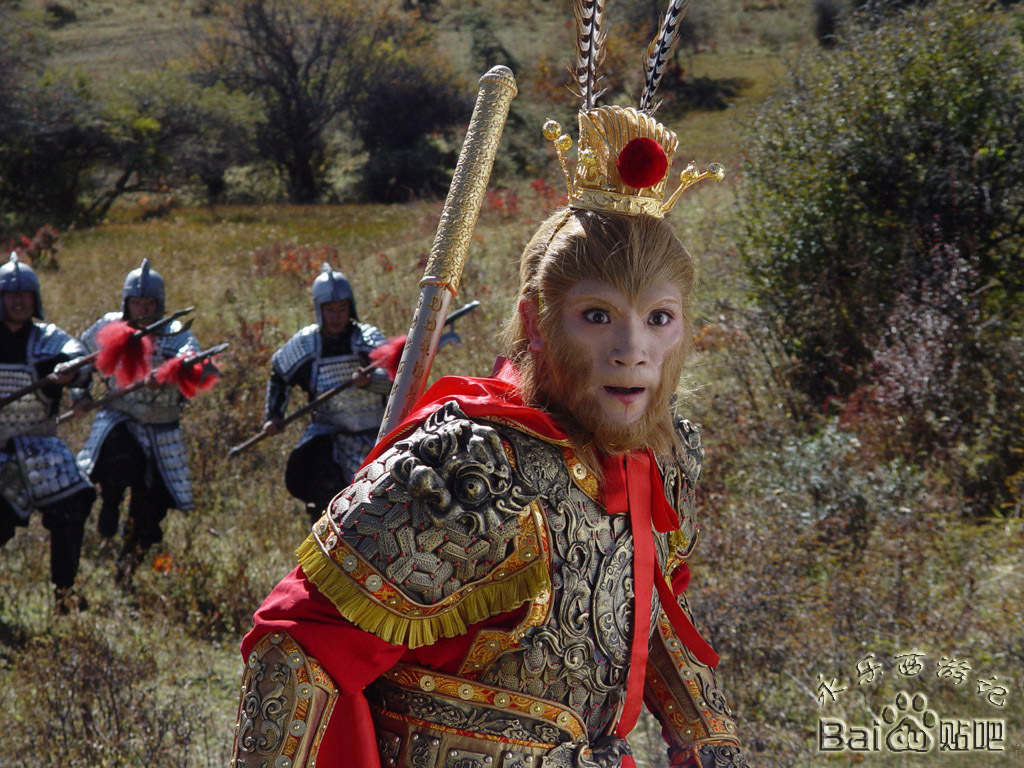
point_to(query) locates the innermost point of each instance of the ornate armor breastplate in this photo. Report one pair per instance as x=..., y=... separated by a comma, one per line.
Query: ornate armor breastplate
x=28, y=415
x=461, y=508
x=574, y=649
x=464, y=521
x=355, y=409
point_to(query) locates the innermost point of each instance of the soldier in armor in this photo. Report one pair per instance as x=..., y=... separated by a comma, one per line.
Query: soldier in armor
x=317, y=358
x=136, y=441
x=37, y=471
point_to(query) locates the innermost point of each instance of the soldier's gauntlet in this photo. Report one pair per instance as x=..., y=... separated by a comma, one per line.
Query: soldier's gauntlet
x=685, y=697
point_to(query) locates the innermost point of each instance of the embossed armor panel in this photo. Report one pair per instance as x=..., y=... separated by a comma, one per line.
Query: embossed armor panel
x=425, y=719
x=287, y=700
x=447, y=510
x=28, y=415
x=356, y=409
x=685, y=696
x=591, y=607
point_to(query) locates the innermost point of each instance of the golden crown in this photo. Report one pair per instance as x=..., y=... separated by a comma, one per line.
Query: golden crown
x=624, y=153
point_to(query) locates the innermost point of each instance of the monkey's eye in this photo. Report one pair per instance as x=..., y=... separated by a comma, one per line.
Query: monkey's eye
x=660, y=317
x=597, y=316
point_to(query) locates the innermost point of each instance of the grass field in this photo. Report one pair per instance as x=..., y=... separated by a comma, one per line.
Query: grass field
x=149, y=676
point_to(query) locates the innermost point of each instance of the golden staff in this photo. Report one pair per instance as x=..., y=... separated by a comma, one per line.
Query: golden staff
x=451, y=243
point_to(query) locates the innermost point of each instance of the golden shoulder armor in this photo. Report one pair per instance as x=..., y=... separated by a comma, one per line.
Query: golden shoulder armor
x=440, y=532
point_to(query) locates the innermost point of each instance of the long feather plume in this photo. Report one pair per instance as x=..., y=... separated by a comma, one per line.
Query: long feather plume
x=659, y=50
x=590, y=48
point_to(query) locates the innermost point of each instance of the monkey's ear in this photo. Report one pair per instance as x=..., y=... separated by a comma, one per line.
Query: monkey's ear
x=531, y=324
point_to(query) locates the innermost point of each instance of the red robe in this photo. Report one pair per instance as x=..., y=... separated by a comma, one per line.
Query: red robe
x=354, y=658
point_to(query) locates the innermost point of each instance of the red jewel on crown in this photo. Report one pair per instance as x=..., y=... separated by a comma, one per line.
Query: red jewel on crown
x=642, y=163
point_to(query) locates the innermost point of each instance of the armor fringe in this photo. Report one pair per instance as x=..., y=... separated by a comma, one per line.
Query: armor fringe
x=355, y=605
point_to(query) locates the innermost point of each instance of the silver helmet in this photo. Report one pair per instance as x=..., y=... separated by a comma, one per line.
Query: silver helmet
x=143, y=282
x=15, y=276
x=331, y=285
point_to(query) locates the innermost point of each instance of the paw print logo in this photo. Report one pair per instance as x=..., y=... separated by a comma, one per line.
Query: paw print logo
x=911, y=722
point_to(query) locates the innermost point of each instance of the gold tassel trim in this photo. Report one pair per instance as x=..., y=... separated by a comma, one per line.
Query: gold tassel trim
x=355, y=605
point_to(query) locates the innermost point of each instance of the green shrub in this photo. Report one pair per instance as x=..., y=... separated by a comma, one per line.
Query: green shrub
x=415, y=155
x=48, y=129
x=883, y=229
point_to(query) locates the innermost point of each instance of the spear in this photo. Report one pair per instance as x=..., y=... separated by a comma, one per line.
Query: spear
x=451, y=335
x=385, y=356
x=311, y=405
x=75, y=365
x=175, y=372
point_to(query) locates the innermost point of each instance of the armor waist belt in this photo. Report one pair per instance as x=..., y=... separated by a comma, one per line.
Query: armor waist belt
x=426, y=719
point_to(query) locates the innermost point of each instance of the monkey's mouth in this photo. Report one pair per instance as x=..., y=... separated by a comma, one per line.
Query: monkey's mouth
x=626, y=395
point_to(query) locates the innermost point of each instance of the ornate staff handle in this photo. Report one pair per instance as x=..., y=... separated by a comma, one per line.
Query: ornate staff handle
x=451, y=243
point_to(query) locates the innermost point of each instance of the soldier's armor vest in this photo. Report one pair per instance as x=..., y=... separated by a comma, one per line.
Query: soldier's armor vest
x=39, y=469
x=354, y=410
x=150, y=406
x=29, y=415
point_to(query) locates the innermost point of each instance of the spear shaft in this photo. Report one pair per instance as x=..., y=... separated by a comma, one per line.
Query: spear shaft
x=311, y=405
x=117, y=394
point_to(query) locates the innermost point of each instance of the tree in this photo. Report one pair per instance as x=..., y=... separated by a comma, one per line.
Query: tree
x=50, y=129
x=166, y=130
x=885, y=225
x=69, y=149
x=405, y=158
x=314, y=64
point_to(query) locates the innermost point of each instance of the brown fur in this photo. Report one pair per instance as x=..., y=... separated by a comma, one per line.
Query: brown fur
x=631, y=253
